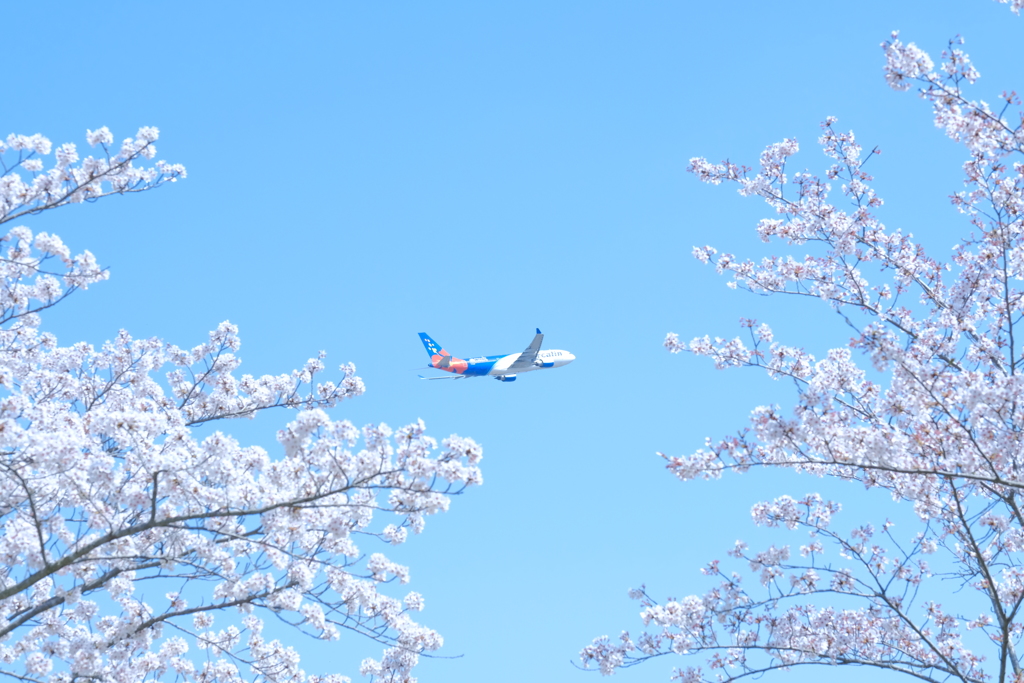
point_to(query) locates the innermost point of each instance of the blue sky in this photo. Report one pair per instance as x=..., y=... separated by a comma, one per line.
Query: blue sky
x=361, y=172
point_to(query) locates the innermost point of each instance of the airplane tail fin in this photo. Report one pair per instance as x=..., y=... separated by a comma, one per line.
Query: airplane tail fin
x=432, y=347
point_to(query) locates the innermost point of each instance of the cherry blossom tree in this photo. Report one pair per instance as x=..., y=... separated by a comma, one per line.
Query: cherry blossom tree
x=141, y=543
x=942, y=430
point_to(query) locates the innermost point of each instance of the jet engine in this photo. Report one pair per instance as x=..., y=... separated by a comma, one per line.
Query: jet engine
x=506, y=378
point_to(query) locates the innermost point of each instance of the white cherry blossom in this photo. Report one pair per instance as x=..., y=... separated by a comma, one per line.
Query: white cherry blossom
x=944, y=432
x=140, y=541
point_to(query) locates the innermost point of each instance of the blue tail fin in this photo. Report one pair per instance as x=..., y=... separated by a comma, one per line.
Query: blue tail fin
x=432, y=347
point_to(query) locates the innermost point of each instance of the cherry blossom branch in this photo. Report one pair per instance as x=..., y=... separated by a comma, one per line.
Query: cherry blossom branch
x=76, y=184
x=943, y=432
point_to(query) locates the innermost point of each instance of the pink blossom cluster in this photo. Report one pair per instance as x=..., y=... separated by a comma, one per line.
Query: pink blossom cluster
x=944, y=430
x=140, y=542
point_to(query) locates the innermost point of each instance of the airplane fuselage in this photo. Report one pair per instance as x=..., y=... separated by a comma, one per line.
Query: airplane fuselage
x=504, y=367
x=499, y=365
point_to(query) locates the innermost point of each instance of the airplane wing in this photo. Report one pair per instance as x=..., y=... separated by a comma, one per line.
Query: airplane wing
x=527, y=357
x=449, y=377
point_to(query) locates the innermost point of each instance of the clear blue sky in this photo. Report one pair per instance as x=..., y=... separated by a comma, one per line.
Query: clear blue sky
x=361, y=172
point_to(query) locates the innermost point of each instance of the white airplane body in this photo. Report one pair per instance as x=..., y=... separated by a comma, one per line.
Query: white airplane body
x=503, y=368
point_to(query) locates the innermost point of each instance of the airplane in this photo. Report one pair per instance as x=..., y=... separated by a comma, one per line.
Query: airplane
x=502, y=368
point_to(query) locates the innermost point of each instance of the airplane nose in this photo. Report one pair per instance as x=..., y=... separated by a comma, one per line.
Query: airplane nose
x=563, y=358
